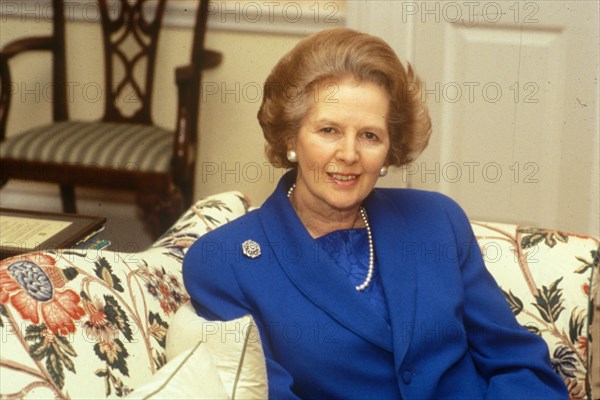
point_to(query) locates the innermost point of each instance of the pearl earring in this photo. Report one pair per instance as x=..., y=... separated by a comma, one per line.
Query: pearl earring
x=292, y=156
x=383, y=171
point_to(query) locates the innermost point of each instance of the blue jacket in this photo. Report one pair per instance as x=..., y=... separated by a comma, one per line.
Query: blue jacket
x=451, y=333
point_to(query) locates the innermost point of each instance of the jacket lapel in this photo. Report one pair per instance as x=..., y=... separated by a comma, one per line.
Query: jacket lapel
x=392, y=236
x=314, y=273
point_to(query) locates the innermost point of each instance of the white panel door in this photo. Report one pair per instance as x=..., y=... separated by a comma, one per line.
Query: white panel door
x=513, y=92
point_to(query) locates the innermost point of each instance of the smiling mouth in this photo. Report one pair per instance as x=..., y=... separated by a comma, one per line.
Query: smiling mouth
x=343, y=178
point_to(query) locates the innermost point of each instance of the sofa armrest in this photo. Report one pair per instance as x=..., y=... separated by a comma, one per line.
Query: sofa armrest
x=549, y=279
x=69, y=316
x=202, y=217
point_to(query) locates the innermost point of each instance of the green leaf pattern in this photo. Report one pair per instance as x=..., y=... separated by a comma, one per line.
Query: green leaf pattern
x=534, y=236
x=549, y=302
x=2, y=315
x=117, y=316
x=56, y=350
x=516, y=305
x=104, y=271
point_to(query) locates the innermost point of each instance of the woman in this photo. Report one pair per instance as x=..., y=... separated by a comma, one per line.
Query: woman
x=361, y=292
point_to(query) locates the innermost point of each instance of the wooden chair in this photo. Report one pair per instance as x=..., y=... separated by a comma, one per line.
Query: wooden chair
x=124, y=150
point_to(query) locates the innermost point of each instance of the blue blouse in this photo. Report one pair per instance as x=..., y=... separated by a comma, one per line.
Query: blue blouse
x=349, y=249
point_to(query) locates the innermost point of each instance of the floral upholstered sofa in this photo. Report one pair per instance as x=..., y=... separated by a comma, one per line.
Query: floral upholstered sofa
x=101, y=324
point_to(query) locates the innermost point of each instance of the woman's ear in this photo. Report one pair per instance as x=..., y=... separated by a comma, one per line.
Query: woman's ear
x=290, y=144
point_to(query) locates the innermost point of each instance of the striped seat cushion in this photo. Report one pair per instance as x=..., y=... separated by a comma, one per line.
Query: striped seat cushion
x=100, y=144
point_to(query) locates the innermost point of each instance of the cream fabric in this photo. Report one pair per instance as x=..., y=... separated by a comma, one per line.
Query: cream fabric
x=235, y=346
x=190, y=375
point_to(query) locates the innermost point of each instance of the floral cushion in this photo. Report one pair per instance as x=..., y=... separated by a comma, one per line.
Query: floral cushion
x=102, y=315
x=548, y=278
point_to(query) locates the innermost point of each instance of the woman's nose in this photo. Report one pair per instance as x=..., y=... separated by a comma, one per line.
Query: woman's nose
x=347, y=151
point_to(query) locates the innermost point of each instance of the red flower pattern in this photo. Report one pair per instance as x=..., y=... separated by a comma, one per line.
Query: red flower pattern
x=582, y=345
x=585, y=288
x=98, y=327
x=31, y=285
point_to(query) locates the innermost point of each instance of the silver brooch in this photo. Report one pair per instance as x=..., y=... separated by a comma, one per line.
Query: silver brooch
x=251, y=249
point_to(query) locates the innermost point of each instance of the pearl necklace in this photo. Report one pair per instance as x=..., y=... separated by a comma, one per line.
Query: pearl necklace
x=371, y=269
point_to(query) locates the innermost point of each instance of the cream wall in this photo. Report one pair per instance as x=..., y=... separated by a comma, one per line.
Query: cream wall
x=232, y=145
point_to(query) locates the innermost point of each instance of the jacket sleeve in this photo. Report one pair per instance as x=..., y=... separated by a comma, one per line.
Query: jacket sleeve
x=216, y=295
x=514, y=361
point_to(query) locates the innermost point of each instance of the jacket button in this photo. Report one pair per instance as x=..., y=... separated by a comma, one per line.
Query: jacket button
x=407, y=377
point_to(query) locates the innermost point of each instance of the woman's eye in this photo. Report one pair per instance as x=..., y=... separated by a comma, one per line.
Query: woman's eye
x=370, y=136
x=328, y=130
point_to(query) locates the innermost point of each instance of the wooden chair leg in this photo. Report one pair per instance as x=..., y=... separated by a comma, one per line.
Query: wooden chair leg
x=67, y=195
x=185, y=185
x=160, y=211
x=188, y=195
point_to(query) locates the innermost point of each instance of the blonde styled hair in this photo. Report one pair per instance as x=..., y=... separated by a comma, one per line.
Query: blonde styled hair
x=335, y=54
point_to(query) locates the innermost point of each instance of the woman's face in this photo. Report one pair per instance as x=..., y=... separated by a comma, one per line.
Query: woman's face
x=341, y=146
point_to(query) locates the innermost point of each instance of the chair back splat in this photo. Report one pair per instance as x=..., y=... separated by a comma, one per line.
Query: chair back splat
x=130, y=40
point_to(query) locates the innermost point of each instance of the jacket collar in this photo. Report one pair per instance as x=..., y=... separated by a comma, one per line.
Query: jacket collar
x=314, y=273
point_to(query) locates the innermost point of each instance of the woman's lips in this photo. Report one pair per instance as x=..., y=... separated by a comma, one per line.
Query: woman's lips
x=344, y=179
